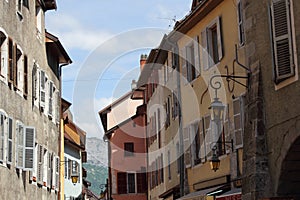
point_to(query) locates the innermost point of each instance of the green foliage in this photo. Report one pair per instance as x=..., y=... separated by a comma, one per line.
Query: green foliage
x=97, y=175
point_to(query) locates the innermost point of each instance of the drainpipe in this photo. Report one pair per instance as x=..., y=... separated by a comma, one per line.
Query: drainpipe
x=61, y=134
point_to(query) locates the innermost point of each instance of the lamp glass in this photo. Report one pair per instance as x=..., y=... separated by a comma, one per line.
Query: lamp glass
x=74, y=179
x=215, y=163
x=217, y=110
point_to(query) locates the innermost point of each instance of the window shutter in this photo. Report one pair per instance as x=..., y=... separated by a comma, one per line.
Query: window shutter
x=282, y=40
x=192, y=141
x=45, y=167
x=175, y=57
x=122, y=182
x=141, y=183
x=220, y=42
x=208, y=136
x=50, y=102
x=15, y=65
x=240, y=22
x=10, y=71
x=184, y=66
x=57, y=107
x=42, y=89
x=204, y=50
x=238, y=121
x=187, y=147
x=49, y=170
x=197, y=56
x=57, y=173
x=29, y=147
x=9, y=138
x=66, y=163
x=40, y=153
x=1, y=137
x=25, y=75
x=202, y=151
x=69, y=168
x=20, y=146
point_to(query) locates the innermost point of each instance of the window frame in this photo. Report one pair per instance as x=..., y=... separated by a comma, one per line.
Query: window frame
x=128, y=149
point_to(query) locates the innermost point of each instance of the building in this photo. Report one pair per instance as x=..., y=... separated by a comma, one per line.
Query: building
x=30, y=85
x=271, y=140
x=72, y=171
x=124, y=125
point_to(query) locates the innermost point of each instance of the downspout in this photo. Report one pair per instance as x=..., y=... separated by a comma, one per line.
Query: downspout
x=61, y=135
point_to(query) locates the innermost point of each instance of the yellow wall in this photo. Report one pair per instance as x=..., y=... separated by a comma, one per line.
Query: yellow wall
x=62, y=152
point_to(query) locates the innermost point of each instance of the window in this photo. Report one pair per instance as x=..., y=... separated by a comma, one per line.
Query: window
x=240, y=22
x=5, y=139
x=159, y=128
x=25, y=77
x=208, y=136
x=20, y=146
x=42, y=90
x=128, y=149
x=175, y=107
x=175, y=57
x=55, y=184
x=40, y=160
x=191, y=67
x=49, y=169
x=131, y=182
x=9, y=141
x=66, y=162
x=282, y=40
x=17, y=67
x=161, y=168
x=195, y=135
x=187, y=147
x=50, y=102
x=211, y=38
x=10, y=72
x=38, y=16
x=141, y=183
x=168, y=112
x=238, y=121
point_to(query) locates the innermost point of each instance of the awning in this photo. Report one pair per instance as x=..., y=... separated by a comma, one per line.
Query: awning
x=199, y=195
x=234, y=194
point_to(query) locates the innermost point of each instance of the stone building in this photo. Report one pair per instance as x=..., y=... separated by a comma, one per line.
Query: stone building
x=272, y=126
x=30, y=73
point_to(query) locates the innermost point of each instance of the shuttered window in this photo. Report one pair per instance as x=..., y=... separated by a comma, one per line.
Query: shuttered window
x=282, y=40
x=122, y=182
x=49, y=169
x=169, y=165
x=131, y=182
x=211, y=39
x=187, y=147
x=29, y=147
x=141, y=183
x=2, y=137
x=25, y=77
x=50, y=102
x=240, y=22
x=3, y=53
x=202, y=151
x=128, y=149
x=10, y=71
x=20, y=146
x=56, y=170
x=66, y=162
x=208, y=136
x=193, y=59
x=45, y=167
x=9, y=141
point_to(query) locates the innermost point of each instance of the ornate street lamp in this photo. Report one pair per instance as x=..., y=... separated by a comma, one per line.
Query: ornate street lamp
x=214, y=162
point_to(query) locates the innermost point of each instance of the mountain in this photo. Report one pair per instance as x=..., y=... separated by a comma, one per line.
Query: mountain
x=96, y=165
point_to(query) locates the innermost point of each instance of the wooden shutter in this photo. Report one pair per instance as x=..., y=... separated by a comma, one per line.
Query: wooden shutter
x=9, y=138
x=162, y=168
x=29, y=147
x=187, y=147
x=282, y=39
x=20, y=146
x=141, y=183
x=10, y=71
x=220, y=42
x=45, y=167
x=25, y=77
x=69, y=168
x=50, y=102
x=202, y=151
x=122, y=182
x=39, y=172
x=184, y=66
x=208, y=136
x=57, y=173
x=16, y=57
x=240, y=22
x=1, y=137
x=57, y=106
x=204, y=50
x=238, y=121
x=197, y=56
x=49, y=170
x=42, y=89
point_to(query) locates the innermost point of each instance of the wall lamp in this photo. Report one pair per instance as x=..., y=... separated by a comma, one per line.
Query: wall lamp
x=217, y=107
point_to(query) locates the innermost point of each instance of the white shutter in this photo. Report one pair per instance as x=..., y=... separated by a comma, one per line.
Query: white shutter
x=9, y=141
x=238, y=121
x=20, y=146
x=57, y=107
x=57, y=164
x=29, y=147
x=184, y=66
x=204, y=51
x=187, y=147
x=219, y=32
x=1, y=137
x=197, y=56
x=66, y=163
x=282, y=40
x=50, y=102
x=49, y=170
x=40, y=159
x=208, y=136
x=45, y=167
x=42, y=89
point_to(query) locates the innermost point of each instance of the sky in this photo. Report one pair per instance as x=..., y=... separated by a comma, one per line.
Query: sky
x=105, y=40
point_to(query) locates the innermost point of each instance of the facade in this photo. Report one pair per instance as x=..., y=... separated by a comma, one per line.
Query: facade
x=31, y=60
x=271, y=140
x=74, y=156
x=124, y=125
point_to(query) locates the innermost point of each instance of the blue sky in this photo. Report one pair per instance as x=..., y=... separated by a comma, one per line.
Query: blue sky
x=105, y=40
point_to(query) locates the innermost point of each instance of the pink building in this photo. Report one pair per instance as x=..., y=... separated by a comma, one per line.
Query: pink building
x=125, y=130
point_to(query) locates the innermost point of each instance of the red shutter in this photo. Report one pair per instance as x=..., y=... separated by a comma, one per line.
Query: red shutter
x=141, y=183
x=122, y=182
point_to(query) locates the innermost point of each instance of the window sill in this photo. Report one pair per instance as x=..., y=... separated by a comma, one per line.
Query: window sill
x=287, y=82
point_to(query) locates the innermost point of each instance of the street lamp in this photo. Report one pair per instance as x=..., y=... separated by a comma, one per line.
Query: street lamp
x=215, y=161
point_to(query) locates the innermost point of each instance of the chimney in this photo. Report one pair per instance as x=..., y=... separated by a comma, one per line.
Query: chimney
x=143, y=61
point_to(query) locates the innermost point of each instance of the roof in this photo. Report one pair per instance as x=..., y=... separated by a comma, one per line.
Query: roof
x=74, y=135
x=54, y=43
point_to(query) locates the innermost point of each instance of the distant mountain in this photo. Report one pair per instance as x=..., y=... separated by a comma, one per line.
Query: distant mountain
x=96, y=151
x=96, y=165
